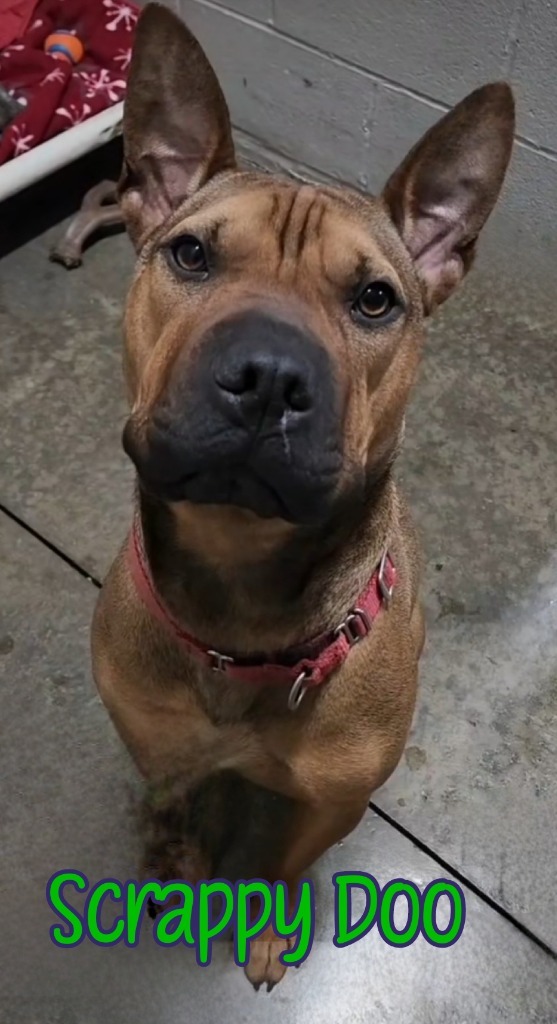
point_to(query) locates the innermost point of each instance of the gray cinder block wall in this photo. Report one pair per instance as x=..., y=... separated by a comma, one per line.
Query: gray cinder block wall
x=345, y=87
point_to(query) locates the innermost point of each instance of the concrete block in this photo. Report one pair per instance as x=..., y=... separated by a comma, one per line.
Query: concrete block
x=439, y=49
x=534, y=73
x=523, y=226
x=261, y=10
x=300, y=103
x=399, y=121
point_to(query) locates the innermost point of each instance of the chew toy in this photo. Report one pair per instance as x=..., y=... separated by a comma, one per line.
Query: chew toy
x=64, y=45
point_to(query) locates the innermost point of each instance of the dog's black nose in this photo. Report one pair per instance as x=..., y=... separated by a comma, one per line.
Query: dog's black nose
x=265, y=382
x=263, y=368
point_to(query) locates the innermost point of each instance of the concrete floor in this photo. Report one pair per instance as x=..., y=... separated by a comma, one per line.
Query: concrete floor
x=477, y=789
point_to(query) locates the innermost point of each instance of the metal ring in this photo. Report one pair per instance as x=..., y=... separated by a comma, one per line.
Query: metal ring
x=386, y=591
x=298, y=691
x=349, y=629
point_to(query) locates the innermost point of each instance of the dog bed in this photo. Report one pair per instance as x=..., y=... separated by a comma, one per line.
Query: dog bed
x=65, y=108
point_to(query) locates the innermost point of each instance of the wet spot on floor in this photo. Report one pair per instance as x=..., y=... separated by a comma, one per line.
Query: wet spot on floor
x=415, y=758
x=57, y=688
x=7, y=644
x=452, y=606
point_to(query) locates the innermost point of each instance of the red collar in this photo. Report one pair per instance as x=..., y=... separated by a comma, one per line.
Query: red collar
x=321, y=656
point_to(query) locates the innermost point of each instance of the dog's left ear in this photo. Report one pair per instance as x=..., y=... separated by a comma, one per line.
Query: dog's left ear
x=442, y=194
x=177, y=131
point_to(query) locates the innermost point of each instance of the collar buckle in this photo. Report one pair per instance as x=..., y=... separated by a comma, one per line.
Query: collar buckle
x=355, y=627
x=219, y=661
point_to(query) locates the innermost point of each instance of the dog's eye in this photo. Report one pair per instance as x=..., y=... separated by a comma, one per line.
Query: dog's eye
x=189, y=255
x=376, y=301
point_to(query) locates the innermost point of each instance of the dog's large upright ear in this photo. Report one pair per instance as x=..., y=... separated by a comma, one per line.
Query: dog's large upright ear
x=177, y=130
x=442, y=194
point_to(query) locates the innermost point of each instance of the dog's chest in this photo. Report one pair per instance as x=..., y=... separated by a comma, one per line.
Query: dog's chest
x=240, y=704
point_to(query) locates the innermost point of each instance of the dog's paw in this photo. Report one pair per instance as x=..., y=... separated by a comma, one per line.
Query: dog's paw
x=264, y=965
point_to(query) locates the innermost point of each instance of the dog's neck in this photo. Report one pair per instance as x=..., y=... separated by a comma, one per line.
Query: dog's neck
x=257, y=605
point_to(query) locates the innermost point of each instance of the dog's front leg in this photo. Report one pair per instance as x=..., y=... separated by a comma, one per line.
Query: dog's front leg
x=313, y=829
x=170, y=850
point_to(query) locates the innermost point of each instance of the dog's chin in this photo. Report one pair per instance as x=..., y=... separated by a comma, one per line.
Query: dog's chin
x=299, y=502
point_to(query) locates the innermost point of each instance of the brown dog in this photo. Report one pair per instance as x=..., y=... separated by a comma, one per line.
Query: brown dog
x=273, y=332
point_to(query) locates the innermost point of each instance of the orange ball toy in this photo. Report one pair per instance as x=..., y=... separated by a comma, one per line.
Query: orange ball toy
x=64, y=46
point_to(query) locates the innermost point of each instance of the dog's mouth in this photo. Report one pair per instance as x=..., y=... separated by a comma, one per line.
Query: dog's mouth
x=240, y=487
x=297, y=488
x=296, y=501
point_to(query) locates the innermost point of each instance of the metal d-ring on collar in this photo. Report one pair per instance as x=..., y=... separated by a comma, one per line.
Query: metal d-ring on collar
x=354, y=628
x=298, y=690
x=219, y=663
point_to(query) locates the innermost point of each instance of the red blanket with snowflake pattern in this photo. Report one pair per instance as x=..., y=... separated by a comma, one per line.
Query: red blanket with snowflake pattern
x=55, y=95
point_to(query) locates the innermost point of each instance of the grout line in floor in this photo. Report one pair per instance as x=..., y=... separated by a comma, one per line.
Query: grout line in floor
x=460, y=877
x=4, y=510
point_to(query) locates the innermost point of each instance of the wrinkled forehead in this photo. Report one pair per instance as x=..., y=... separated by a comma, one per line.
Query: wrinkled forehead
x=279, y=224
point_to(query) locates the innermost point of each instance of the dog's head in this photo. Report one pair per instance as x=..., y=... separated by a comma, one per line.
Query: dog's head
x=274, y=328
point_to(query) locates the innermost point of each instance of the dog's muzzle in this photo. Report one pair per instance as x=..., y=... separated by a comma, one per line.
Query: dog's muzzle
x=252, y=421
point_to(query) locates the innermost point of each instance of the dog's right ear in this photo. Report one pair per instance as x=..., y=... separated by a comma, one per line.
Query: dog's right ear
x=177, y=131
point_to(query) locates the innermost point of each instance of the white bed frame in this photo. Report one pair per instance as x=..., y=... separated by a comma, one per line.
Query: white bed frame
x=30, y=167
